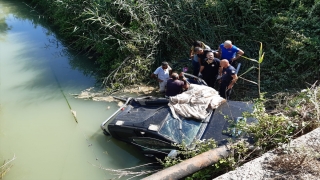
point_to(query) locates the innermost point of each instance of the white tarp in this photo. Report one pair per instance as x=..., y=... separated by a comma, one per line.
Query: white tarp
x=197, y=102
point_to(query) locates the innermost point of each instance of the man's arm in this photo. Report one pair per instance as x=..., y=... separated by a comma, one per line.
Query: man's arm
x=155, y=75
x=238, y=55
x=191, y=53
x=170, y=70
x=199, y=60
x=201, y=69
x=220, y=70
x=185, y=83
x=218, y=54
x=234, y=79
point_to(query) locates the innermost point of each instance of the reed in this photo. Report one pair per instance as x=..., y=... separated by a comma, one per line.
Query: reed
x=6, y=166
x=145, y=32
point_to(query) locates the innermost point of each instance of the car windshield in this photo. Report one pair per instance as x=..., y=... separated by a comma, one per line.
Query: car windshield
x=186, y=134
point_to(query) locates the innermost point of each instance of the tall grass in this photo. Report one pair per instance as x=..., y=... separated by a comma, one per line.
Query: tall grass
x=130, y=38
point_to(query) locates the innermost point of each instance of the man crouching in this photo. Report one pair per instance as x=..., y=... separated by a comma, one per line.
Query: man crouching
x=162, y=74
x=175, y=86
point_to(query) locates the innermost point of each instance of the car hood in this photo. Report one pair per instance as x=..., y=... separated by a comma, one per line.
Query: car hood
x=220, y=121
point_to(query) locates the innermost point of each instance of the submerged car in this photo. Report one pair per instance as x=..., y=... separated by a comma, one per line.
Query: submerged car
x=148, y=123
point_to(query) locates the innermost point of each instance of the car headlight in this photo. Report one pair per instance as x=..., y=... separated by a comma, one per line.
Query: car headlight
x=119, y=123
x=153, y=127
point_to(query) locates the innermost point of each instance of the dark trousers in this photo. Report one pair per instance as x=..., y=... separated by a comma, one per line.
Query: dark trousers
x=234, y=64
x=210, y=80
x=223, y=92
x=196, y=68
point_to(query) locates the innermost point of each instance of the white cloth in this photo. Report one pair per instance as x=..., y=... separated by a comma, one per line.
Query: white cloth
x=163, y=74
x=197, y=102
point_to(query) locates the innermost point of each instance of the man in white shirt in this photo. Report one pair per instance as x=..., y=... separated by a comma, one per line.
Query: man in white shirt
x=162, y=74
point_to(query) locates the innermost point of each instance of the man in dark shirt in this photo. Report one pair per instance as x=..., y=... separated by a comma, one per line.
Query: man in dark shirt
x=174, y=85
x=228, y=78
x=201, y=53
x=210, y=69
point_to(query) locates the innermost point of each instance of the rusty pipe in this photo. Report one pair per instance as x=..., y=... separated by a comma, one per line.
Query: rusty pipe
x=191, y=165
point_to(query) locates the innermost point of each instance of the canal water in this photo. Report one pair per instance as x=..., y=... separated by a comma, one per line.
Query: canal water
x=38, y=74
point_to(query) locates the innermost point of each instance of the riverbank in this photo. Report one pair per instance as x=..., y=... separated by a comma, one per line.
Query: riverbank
x=130, y=91
x=299, y=159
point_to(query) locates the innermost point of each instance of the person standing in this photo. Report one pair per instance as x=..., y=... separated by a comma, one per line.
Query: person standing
x=228, y=78
x=175, y=85
x=202, y=54
x=210, y=69
x=229, y=51
x=162, y=74
x=194, y=56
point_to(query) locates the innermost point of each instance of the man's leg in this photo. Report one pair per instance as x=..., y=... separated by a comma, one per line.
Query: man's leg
x=228, y=92
x=195, y=65
x=210, y=81
x=222, y=90
x=213, y=80
x=162, y=86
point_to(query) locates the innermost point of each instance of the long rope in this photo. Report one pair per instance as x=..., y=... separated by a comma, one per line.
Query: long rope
x=75, y=118
x=72, y=112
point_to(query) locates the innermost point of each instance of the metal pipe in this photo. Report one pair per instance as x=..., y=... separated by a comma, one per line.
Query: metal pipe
x=238, y=68
x=191, y=165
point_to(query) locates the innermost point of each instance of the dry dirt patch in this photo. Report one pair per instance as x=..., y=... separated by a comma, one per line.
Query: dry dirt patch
x=131, y=91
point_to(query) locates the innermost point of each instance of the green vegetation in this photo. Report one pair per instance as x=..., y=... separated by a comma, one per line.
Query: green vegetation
x=129, y=38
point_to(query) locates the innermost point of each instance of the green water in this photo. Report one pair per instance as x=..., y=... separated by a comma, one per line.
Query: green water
x=36, y=124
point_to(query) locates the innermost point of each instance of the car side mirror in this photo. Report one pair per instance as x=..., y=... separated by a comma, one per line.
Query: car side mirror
x=173, y=154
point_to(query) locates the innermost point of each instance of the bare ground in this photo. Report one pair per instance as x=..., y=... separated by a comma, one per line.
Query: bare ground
x=131, y=91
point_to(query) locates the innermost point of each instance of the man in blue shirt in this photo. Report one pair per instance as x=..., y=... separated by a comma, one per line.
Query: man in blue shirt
x=229, y=51
x=228, y=78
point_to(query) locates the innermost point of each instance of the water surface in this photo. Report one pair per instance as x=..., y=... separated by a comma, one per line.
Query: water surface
x=37, y=72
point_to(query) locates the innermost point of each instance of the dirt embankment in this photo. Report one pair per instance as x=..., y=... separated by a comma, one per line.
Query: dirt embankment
x=132, y=91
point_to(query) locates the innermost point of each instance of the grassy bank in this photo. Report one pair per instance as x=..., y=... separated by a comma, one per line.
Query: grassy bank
x=130, y=38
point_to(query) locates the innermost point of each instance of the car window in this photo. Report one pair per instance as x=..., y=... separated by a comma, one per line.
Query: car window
x=187, y=133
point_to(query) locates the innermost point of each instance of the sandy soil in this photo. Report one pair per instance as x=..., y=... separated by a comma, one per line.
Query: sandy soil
x=132, y=91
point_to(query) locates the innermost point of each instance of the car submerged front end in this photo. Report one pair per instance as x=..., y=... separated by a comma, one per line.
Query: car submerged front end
x=148, y=124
